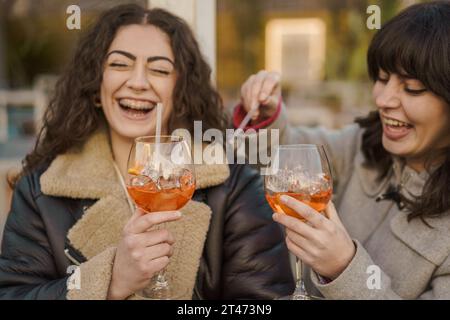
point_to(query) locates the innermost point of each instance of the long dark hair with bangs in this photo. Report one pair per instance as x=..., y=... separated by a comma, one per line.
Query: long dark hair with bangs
x=72, y=117
x=416, y=43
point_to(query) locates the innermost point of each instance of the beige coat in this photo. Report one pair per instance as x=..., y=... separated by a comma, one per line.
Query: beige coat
x=413, y=259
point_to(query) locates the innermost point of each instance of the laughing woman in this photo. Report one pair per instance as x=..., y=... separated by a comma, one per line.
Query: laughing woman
x=392, y=170
x=69, y=207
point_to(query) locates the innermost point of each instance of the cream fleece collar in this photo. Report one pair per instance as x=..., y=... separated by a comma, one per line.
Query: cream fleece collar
x=89, y=173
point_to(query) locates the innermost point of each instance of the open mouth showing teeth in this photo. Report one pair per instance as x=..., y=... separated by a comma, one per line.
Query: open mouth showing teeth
x=396, y=123
x=136, y=106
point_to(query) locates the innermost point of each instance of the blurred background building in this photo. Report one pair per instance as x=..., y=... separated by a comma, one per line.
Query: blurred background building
x=319, y=47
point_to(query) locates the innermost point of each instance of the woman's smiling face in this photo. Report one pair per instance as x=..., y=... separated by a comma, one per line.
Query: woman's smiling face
x=138, y=73
x=415, y=121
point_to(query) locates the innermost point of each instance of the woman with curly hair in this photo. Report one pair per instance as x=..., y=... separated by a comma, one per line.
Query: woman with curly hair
x=69, y=206
x=392, y=170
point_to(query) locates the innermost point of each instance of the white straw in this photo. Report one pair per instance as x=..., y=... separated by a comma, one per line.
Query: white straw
x=248, y=116
x=244, y=123
x=158, y=122
x=159, y=108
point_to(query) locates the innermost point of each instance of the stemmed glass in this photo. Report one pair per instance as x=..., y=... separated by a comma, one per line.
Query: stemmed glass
x=160, y=177
x=301, y=171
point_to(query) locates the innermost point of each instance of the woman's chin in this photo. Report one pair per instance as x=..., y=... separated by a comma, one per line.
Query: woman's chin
x=132, y=132
x=395, y=148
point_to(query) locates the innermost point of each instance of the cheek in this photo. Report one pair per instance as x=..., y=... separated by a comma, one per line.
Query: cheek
x=424, y=113
x=111, y=82
x=168, y=89
x=168, y=109
x=431, y=123
x=376, y=92
x=166, y=93
x=439, y=130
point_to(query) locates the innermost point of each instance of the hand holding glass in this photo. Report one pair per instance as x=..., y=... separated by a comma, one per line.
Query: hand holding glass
x=302, y=172
x=160, y=178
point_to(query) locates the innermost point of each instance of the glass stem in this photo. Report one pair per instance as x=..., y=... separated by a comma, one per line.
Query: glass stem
x=161, y=289
x=161, y=279
x=161, y=282
x=300, y=292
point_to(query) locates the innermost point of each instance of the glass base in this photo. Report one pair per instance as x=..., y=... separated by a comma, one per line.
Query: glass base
x=160, y=290
x=161, y=293
x=300, y=297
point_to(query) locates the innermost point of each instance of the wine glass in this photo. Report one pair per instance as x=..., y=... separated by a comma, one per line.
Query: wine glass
x=160, y=177
x=301, y=171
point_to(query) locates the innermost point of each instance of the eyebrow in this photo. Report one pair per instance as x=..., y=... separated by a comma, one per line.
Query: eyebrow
x=133, y=57
x=407, y=76
x=402, y=74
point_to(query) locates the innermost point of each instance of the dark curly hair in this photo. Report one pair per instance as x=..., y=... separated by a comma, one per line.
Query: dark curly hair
x=415, y=42
x=71, y=116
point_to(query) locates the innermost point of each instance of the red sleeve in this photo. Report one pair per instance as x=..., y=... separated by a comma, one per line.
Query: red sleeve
x=239, y=115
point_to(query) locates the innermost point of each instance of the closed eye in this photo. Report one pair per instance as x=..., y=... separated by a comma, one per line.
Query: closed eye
x=161, y=72
x=114, y=64
x=383, y=80
x=415, y=92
